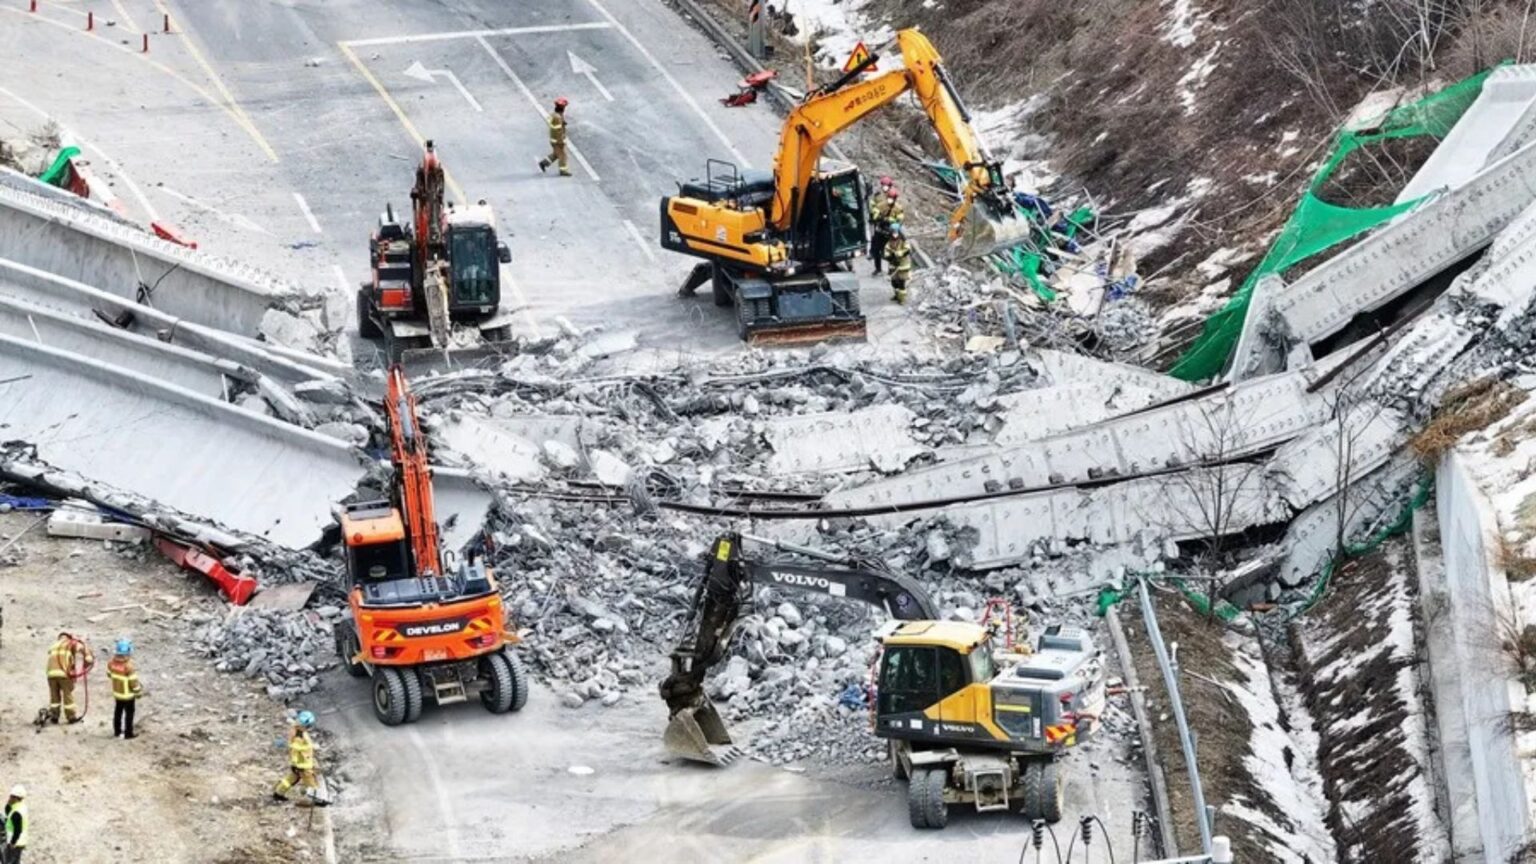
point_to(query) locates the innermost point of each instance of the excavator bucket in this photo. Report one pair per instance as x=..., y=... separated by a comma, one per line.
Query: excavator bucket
x=987, y=227
x=699, y=734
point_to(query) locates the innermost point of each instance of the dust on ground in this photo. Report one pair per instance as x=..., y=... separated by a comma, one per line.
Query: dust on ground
x=195, y=785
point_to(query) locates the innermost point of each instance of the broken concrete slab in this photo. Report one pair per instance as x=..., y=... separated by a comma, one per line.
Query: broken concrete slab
x=288, y=598
x=485, y=444
x=81, y=519
x=1389, y=262
x=1496, y=120
x=836, y=442
x=87, y=247
x=192, y=454
x=80, y=300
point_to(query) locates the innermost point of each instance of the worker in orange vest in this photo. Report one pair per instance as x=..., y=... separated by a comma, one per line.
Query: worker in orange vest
x=126, y=688
x=68, y=659
x=557, y=139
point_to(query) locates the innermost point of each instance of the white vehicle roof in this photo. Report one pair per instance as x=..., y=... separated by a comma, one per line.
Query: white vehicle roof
x=471, y=216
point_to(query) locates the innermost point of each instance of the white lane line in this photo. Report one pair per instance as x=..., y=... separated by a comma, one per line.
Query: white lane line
x=534, y=101
x=308, y=214
x=741, y=159
x=149, y=209
x=234, y=219
x=341, y=279
x=640, y=241
x=422, y=73
x=474, y=34
x=449, y=830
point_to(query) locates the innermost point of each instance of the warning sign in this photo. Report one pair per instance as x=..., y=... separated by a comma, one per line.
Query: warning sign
x=859, y=55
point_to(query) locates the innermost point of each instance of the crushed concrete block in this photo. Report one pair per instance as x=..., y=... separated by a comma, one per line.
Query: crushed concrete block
x=352, y=433
x=88, y=524
x=609, y=469
x=560, y=455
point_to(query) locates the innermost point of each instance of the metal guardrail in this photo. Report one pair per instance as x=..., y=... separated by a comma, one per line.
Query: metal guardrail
x=1170, y=672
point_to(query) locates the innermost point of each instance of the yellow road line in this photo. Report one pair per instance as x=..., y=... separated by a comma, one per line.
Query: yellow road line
x=193, y=86
x=410, y=128
x=218, y=82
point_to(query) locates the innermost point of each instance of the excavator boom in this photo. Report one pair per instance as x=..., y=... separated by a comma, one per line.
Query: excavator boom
x=694, y=729
x=408, y=450
x=827, y=112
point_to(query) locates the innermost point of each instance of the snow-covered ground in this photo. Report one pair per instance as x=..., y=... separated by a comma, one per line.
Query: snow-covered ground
x=838, y=26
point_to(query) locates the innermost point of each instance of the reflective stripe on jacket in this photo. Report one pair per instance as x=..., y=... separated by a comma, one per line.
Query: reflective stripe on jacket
x=301, y=752
x=557, y=129
x=899, y=253
x=125, y=679
x=60, y=659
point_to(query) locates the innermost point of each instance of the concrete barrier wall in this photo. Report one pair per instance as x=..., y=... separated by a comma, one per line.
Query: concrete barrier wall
x=100, y=251
x=1478, y=595
x=251, y=474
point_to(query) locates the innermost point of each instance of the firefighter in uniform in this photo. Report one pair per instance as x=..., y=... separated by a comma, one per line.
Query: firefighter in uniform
x=126, y=688
x=899, y=253
x=301, y=761
x=881, y=218
x=557, y=140
x=13, y=826
x=64, y=659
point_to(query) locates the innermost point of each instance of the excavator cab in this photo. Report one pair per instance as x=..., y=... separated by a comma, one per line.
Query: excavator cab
x=831, y=226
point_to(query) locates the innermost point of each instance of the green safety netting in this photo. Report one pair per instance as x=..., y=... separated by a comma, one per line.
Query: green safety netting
x=58, y=173
x=1316, y=225
x=1025, y=262
x=1109, y=596
x=1397, y=526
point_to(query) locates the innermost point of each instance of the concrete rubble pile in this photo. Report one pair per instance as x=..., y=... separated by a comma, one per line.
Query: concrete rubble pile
x=287, y=650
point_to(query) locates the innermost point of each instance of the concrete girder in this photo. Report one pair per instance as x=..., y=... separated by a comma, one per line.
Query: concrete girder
x=89, y=247
x=250, y=474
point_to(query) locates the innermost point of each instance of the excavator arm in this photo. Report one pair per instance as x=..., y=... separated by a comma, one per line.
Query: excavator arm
x=413, y=475
x=695, y=730
x=830, y=110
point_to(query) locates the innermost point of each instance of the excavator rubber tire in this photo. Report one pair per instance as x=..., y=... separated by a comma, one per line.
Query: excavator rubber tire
x=1052, y=792
x=413, y=698
x=1033, y=791
x=519, y=679
x=925, y=798
x=347, y=648
x=499, y=693
x=389, y=702
x=366, y=326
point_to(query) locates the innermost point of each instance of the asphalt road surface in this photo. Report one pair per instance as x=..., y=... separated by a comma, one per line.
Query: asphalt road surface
x=275, y=131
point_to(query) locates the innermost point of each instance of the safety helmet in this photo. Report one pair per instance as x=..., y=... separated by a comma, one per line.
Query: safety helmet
x=891, y=193
x=561, y=103
x=306, y=719
x=886, y=182
x=895, y=227
x=124, y=646
x=18, y=791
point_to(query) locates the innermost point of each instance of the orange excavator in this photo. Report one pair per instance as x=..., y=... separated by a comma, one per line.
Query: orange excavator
x=424, y=622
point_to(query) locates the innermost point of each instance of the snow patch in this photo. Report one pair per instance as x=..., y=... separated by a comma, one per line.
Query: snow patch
x=838, y=26
x=1183, y=20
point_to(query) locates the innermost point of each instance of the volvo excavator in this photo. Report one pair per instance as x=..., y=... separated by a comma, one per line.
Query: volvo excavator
x=779, y=245
x=424, y=622
x=436, y=281
x=963, y=725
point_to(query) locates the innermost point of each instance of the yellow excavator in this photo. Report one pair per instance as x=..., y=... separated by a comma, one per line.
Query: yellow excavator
x=778, y=245
x=962, y=724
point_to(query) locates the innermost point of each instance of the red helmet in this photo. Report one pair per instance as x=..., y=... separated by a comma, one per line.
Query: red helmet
x=886, y=182
x=561, y=102
x=892, y=193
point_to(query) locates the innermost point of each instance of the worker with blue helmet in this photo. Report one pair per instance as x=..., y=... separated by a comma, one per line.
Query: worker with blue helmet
x=301, y=761
x=126, y=688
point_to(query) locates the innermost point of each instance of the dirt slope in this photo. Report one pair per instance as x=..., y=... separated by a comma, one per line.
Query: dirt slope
x=194, y=786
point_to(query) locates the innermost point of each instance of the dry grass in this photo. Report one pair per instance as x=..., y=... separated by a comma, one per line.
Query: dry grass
x=1516, y=564
x=1468, y=408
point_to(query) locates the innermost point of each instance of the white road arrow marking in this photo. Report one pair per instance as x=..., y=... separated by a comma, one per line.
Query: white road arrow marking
x=582, y=67
x=422, y=73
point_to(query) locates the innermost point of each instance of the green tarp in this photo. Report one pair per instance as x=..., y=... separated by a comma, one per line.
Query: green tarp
x=1317, y=225
x=58, y=173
